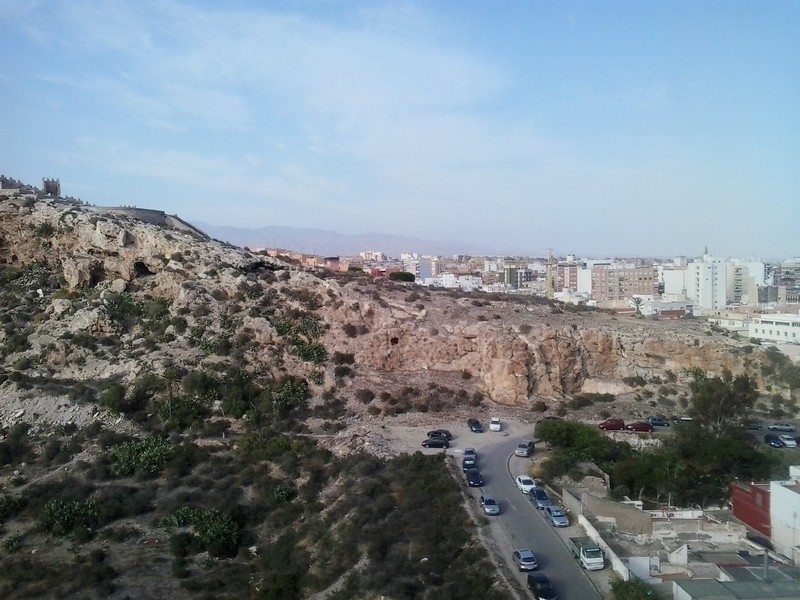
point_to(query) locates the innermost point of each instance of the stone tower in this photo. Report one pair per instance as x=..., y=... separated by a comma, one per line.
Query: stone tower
x=51, y=187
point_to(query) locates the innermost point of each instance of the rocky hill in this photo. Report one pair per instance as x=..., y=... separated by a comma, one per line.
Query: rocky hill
x=516, y=349
x=147, y=369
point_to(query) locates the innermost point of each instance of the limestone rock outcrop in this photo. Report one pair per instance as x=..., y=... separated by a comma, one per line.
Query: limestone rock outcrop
x=514, y=349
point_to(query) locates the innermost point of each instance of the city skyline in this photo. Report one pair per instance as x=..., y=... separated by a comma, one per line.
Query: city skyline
x=615, y=129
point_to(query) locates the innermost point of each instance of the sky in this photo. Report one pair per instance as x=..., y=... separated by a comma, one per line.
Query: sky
x=596, y=128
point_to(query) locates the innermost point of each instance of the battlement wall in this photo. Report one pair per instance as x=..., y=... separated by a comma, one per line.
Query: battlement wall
x=152, y=216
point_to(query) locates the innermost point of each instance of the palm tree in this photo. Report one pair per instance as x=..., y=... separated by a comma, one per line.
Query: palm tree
x=636, y=303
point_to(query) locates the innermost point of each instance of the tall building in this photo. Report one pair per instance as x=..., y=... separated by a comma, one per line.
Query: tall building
x=707, y=283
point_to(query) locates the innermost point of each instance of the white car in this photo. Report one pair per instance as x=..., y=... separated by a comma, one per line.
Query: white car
x=524, y=483
x=789, y=441
x=494, y=424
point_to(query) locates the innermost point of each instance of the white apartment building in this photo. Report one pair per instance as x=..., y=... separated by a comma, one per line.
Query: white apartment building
x=373, y=255
x=673, y=280
x=784, y=514
x=707, y=283
x=468, y=283
x=778, y=328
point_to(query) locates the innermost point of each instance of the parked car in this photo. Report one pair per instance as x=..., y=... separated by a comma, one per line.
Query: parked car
x=658, y=422
x=524, y=448
x=755, y=425
x=540, y=587
x=540, y=498
x=474, y=478
x=474, y=425
x=683, y=419
x=524, y=483
x=612, y=425
x=525, y=560
x=557, y=516
x=781, y=427
x=470, y=452
x=773, y=440
x=469, y=462
x=436, y=442
x=441, y=433
x=640, y=426
x=788, y=440
x=494, y=424
x=489, y=505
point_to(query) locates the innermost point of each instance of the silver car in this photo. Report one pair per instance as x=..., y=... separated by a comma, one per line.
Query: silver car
x=539, y=498
x=524, y=449
x=557, y=516
x=525, y=560
x=489, y=505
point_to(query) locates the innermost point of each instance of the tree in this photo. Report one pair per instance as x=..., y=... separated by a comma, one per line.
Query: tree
x=636, y=303
x=402, y=276
x=720, y=406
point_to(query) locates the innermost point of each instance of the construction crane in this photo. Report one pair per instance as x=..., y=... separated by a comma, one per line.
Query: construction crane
x=549, y=278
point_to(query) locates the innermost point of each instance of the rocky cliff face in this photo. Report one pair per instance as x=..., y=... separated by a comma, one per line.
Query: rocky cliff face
x=521, y=353
x=515, y=349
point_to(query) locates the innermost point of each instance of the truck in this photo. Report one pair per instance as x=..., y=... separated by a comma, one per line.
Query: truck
x=587, y=553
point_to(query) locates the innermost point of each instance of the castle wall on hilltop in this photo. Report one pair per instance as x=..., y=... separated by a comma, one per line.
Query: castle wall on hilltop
x=152, y=216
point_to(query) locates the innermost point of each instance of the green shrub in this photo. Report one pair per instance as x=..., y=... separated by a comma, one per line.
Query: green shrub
x=12, y=543
x=365, y=396
x=635, y=381
x=147, y=457
x=75, y=519
x=10, y=506
x=218, y=531
x=282, y=494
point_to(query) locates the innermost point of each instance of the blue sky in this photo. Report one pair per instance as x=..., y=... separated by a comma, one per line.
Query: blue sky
x=595, y=128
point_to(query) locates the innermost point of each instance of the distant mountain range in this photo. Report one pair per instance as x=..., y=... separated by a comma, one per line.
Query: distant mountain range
x=331, y=243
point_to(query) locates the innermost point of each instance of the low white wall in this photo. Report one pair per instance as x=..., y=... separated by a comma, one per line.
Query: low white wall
x=616, y=562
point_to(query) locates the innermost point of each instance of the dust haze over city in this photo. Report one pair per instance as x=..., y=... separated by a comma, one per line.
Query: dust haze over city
x=600, y=129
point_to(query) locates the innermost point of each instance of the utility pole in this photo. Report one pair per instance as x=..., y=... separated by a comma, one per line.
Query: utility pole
x=550, y=284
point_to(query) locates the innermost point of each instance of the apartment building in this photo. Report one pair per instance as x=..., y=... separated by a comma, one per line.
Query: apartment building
x=784, y=513
x=620, y=283
x=707, y=283
x=567, y=278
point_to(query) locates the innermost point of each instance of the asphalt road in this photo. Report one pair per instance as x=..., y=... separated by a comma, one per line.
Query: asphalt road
x=523, y=525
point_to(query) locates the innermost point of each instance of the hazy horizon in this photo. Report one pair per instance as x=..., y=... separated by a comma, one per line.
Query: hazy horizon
x=596, y=129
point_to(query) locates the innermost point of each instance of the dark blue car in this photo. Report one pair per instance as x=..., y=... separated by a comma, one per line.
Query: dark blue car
x=773, y=440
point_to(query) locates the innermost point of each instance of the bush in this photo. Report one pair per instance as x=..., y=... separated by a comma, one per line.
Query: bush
x=635, y=589
x=148, y=457
x=539, y=406
x=340, y=358
x=402, y=276
x=218, y=531
x=636, y=381
x=365, y=396
x=61, y=518
x=342, y=371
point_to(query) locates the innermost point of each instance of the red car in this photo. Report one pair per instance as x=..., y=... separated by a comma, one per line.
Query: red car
x=612, y=425
x=641, y=426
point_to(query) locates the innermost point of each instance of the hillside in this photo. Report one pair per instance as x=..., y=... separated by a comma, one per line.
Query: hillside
x=183, y=418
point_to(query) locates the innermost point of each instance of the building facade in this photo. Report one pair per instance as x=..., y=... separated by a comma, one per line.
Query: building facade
x=621, y=283
x=780, y=329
